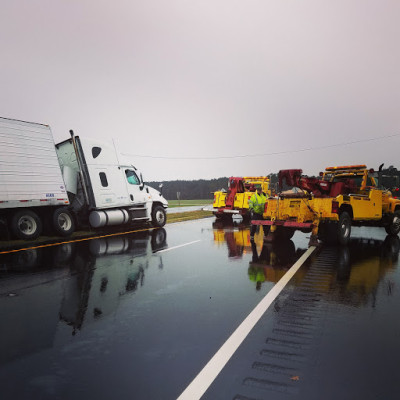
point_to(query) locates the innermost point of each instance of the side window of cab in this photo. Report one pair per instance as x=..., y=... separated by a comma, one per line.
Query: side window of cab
x=131, y=177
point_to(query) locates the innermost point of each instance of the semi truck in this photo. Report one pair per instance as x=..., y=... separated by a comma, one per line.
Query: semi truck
x=235, y=201
x=327, y=206
x=79, y=182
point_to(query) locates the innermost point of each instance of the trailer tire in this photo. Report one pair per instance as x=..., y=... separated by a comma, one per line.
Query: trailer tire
x=158, y=216
x=344, y=228
x=63, y=222
x=25, y=260
x=394, y=227
x=26, y=225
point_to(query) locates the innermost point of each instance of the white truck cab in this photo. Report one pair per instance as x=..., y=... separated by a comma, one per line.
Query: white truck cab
x=76, y=182
x=112, y=186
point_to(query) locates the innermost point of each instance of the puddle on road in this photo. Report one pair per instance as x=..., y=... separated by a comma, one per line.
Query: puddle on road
x=335, y=328
x=118, y=294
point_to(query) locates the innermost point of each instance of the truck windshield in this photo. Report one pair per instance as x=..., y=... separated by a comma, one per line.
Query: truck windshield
x=131, y=177
x=357, y=179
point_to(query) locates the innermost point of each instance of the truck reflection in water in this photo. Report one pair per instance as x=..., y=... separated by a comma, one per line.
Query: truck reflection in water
x=76, y=283
x=114, y=267
x=361, y=267
x=236, y=236
x=272, y=262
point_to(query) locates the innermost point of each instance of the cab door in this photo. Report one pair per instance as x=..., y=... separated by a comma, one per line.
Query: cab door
x=135, y=186
x=368, y=206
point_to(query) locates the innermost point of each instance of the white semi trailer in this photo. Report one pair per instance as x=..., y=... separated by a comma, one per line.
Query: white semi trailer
x=76, y=183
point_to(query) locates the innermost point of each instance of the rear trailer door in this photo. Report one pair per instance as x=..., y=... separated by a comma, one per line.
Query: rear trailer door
x=30, y=173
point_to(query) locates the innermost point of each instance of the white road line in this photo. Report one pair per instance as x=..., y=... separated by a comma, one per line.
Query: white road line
x=176, y=247
x=208, y=374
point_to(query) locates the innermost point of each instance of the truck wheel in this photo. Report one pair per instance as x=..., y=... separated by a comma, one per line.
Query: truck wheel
x=246, y=218
x=343, y=266
x=26, y=225
x=158, y=239
x=63, y=222
x=224, y=217
x=158, y=216
x=394, y=228
x=25, y=260
x=284, y=233
x=327, y=232
x=344, y=228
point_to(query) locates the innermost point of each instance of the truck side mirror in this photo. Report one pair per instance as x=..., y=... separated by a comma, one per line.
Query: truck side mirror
x=160, y=186
x=141, y=182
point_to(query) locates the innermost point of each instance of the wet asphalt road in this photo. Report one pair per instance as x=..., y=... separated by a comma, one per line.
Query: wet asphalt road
x=137, y=316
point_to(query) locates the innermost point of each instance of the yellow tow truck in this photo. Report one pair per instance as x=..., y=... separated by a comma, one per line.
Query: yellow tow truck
x=236, y=200
x=329, y=205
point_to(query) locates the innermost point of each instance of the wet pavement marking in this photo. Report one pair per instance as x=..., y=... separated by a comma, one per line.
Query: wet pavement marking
x=212, y=369
x=177, y=247
x=292, y=342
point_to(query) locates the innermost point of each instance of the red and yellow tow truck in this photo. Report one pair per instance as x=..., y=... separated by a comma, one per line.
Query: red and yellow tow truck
x=329, y=205
x=236, y=200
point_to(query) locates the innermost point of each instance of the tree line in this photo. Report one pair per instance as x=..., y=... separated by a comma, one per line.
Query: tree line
x=204, y=188
x=196, y=189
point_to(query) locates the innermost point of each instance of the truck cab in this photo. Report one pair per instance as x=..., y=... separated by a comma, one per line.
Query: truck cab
x=110, y=189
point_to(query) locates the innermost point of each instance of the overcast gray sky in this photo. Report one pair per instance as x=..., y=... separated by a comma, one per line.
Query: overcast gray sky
x=220, y=78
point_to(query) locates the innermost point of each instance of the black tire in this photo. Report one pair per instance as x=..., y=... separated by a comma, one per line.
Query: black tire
x=394, y=228
x=327, y=232
x=158, y=216
x=158, y=239
x=63, y=222
x=285, y=252
x=26, y=225
x=344, y=228
x=246, y=218
x=224, y=217
x=391, y=247
x=343, y=264
x=284, y=233
x=25, y=260
x=63, y=254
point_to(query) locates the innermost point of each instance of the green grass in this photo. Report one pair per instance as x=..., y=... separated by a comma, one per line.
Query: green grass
x=185, y=203
x=187, y=216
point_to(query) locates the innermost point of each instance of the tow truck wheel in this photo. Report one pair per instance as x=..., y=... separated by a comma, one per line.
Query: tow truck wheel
x=344, y=228
x=246, y=217
x=63, y=222
x=224, y=217
x=284, y=233
x=26, y=225
x=158, y=216
x=394, y=227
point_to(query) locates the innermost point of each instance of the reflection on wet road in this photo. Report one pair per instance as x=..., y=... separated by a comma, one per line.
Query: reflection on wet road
x=121, y=317
x=333, y=334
